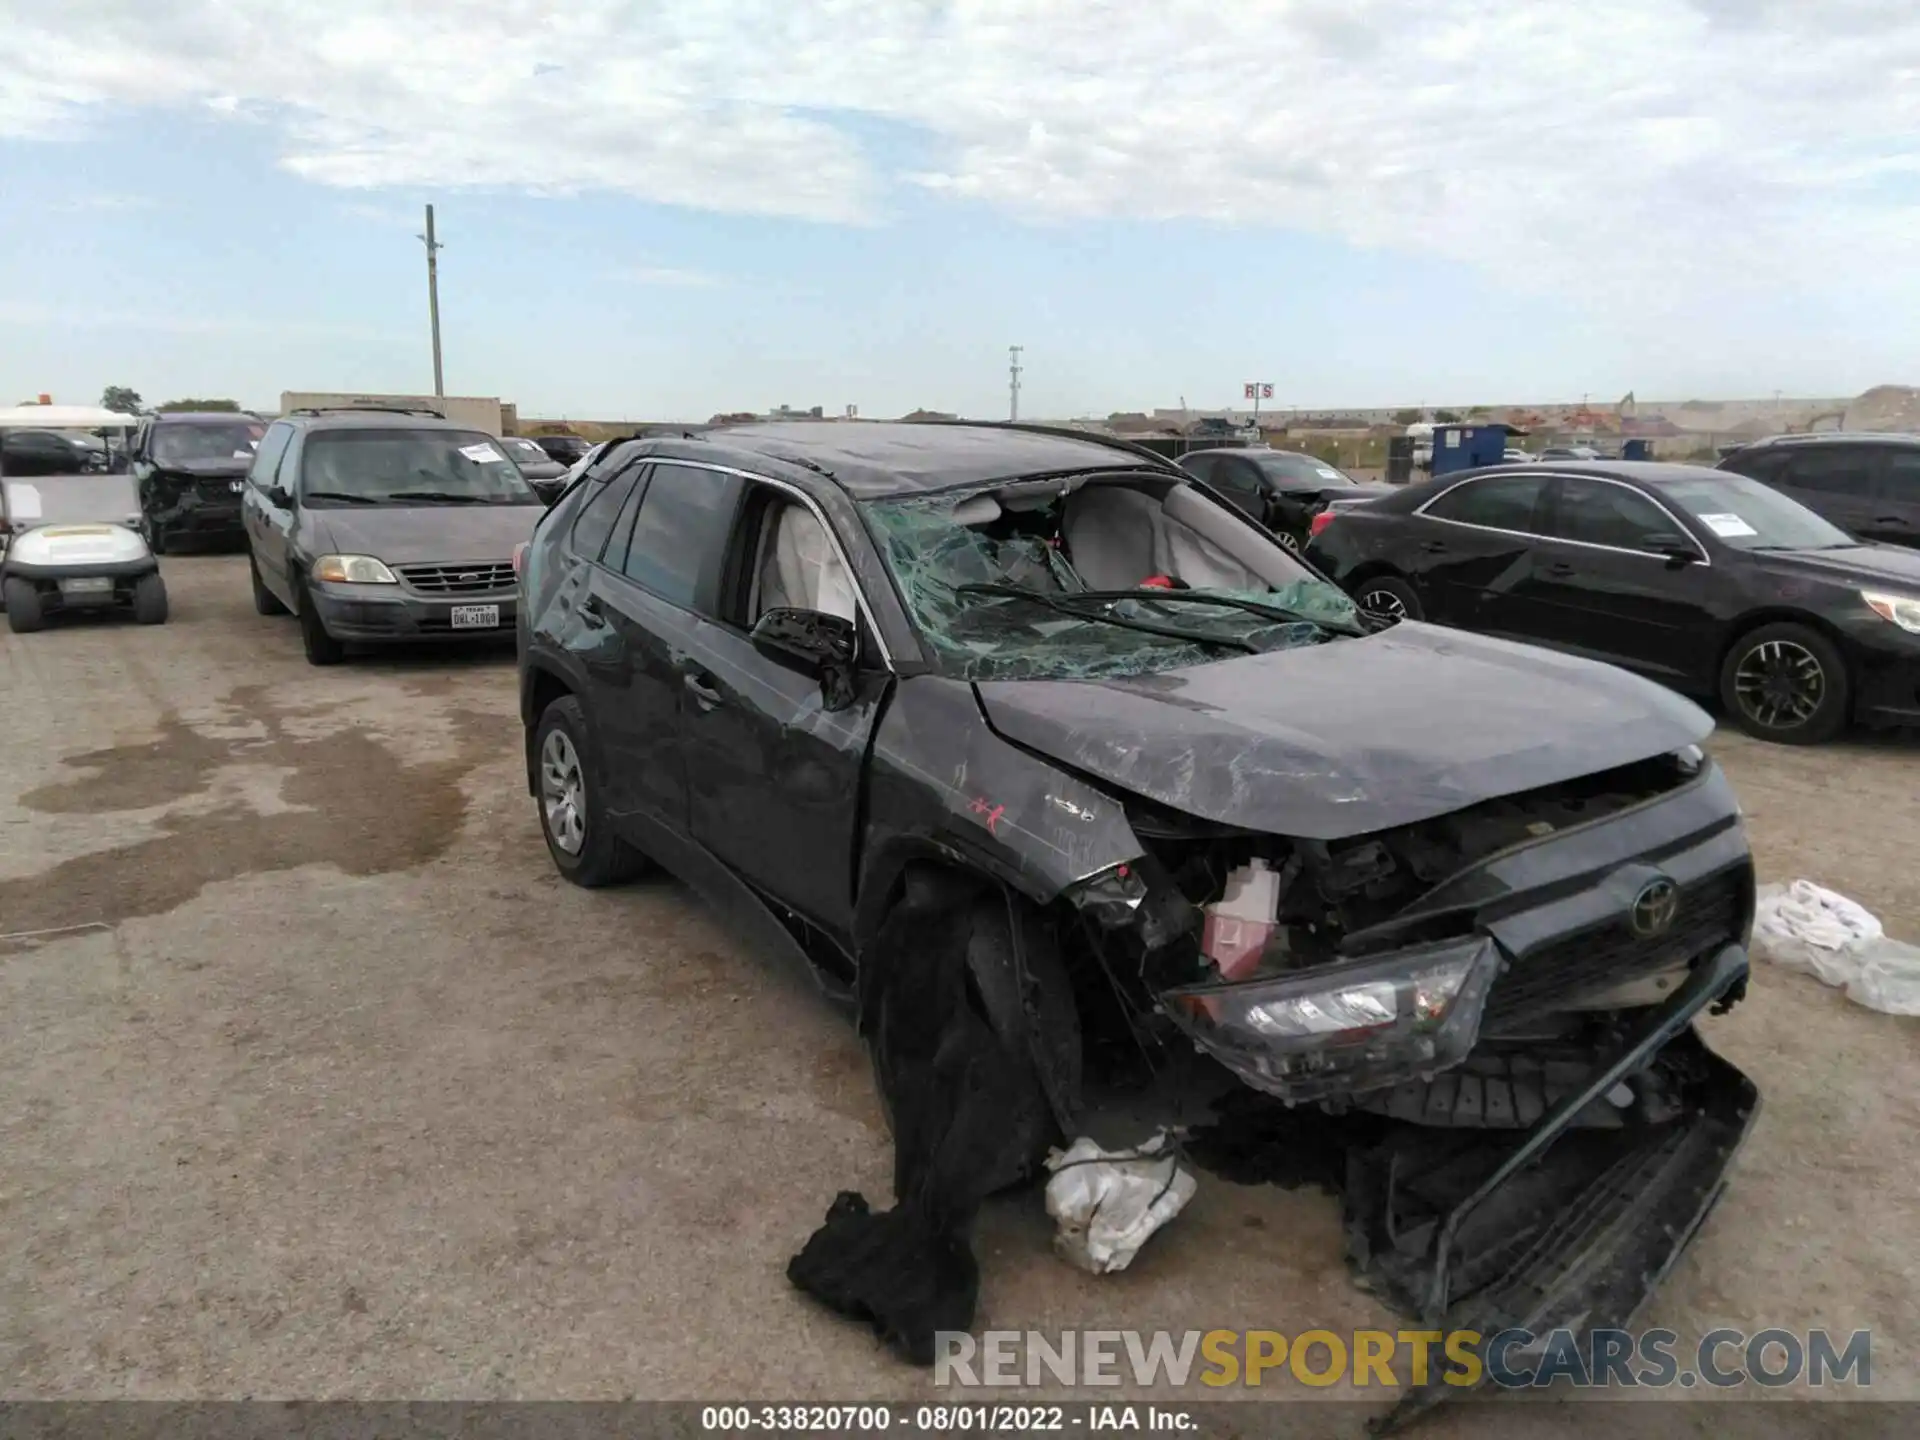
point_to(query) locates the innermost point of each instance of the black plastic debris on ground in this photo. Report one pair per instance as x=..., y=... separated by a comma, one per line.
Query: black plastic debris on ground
x=969, y=1112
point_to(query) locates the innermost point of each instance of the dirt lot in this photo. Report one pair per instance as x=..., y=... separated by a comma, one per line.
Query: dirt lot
x=329, y=1087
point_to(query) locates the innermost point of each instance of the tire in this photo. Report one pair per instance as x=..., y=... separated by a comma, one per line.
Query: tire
x=321, y=648
x=265, y=602
x=24, y=615
x=1390, y=598
x=573, y=814
x=1787, y=683
x=150, y=600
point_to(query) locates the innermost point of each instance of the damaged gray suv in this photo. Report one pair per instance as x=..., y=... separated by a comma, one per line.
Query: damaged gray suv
x=1091, y=801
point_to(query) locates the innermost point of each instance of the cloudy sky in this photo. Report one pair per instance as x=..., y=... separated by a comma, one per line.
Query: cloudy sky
x=670, y=208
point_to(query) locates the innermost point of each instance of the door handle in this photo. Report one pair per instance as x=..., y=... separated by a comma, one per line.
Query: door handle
x=1899, y=520
x=590, y=607
x=1435, y=547
x=1559, y=567
x=704, y=694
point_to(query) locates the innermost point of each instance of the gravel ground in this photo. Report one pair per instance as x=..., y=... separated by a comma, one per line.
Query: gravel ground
x=329, y=1087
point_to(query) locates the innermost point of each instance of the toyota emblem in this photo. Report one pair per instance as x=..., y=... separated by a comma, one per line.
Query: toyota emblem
x=1654, y=908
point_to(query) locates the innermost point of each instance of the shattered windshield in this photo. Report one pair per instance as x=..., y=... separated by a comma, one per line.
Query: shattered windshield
x=1092, y=587
x=183, y=444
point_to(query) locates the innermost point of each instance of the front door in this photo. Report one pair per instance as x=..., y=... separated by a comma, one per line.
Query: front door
x=267, y=516
x=775, y=767
x=1894, y=516
x=1602, y=583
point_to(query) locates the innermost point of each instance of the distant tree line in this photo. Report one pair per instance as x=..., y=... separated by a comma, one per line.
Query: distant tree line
x=126, y=401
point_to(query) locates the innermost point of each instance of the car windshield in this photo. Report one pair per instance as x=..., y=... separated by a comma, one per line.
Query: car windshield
x=526, y=452
x=177, y=444
x=996, y=593
x=1747, y=515
x=1302, y=469
x=411, y=467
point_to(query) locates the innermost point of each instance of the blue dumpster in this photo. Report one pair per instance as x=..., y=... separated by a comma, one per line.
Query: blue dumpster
x=1468, y=447
x=1637, y=450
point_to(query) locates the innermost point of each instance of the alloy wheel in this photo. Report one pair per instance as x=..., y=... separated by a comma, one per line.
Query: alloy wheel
x=1289, y=541
x=1780, y=685
x=1383, y=605
x=563, y=792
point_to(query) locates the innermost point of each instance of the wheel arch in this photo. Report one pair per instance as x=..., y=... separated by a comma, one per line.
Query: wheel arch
x=543, y=684
x=1753, y=620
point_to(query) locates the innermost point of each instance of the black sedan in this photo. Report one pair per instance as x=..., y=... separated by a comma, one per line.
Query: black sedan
x=541, y=470
x=1707, y=580
x=1282, y=489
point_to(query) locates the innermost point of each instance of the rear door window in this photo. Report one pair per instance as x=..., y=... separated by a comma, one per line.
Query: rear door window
x=595, y=522
x=1504, y=502
x=1845, y=470
x=680, y=535
x=1238, y=481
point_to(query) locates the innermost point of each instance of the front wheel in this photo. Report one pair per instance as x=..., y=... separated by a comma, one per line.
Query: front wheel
x=1389, y=598
x=321, y=648
x=24, y=615
x=265, y=602
x=150, y=600
x=1787, y=683
x=573, y=811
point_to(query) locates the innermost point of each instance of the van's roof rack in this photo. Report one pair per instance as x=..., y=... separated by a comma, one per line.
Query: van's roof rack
x=368, y=410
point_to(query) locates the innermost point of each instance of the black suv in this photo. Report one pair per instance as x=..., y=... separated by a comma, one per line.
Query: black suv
x=190, y=469
x=377, y=525
x=1868, y=485
x=1073, y=783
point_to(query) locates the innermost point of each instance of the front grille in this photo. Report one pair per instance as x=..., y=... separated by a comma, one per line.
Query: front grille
x=480, y=577
x=1709, y=916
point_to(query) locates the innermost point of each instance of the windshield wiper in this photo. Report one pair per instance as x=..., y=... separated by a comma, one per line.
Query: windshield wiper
x=344, y=497
x=1277, y=613
x=1057, y=603
x=444, y=497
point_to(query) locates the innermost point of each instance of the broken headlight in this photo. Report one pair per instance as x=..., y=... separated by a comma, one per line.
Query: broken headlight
x=1345, y=1028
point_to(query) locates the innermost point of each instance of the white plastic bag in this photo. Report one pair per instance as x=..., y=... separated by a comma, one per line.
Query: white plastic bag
x=1107, y=1202
x=1805, y=927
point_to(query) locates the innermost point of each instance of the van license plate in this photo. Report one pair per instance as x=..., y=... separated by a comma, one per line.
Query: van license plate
x=476, y=617
x=87, y=585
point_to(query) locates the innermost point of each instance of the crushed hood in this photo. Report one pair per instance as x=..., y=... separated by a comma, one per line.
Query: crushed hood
x=1351, y=736
x=228, y=468
x=429, y=534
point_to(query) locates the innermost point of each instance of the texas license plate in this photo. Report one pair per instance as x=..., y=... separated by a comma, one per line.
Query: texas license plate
x=476, y=617
x=87, y=585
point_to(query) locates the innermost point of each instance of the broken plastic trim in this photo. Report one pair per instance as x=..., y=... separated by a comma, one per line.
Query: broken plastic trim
x=1343, y=1029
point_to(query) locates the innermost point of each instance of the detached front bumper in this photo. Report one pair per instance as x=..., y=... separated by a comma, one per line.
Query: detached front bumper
x=373, y=614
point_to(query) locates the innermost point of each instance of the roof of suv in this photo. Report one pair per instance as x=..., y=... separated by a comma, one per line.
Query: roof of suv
x=206, y=417
x=1837, y=437
x=372, y=419
x=873, y=459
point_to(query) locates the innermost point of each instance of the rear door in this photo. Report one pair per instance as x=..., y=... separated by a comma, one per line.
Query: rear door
x=661, y=570
x=1602, y=583
x=1835, y=480
x=1469, y=549
x=774, y=771
x=1895, y=518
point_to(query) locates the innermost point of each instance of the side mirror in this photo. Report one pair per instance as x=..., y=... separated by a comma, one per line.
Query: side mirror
x=1678, y=549
x=279, y=496
x=810, y=640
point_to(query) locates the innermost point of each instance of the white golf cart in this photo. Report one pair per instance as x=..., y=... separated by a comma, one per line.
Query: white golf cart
x=71, y=542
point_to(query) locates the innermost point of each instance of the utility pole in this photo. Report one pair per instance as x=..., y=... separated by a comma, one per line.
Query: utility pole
x=1013, y=381
x=434, y=247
